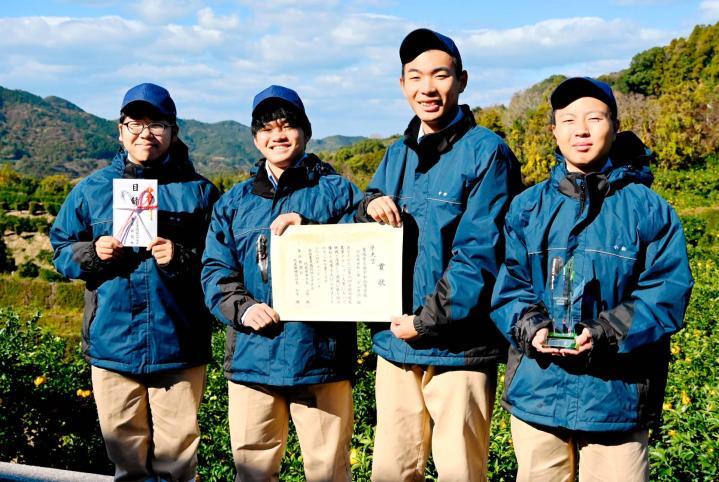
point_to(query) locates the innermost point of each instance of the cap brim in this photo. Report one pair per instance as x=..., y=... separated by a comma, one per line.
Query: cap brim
x=144, y=108
x=271, y=103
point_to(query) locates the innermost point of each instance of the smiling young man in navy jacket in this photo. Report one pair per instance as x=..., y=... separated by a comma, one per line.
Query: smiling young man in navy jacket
x=145, y=331
x=627, y=285
x=448, y=183
x=277, y=369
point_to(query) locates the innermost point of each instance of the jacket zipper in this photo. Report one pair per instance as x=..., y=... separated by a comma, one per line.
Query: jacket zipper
x=582, y=194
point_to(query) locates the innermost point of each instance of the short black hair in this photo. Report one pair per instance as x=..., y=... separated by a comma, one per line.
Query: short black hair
x=140, y=110
x=275, y=110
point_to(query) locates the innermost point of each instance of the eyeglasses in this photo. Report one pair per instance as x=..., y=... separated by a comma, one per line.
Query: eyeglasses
x=156, y=128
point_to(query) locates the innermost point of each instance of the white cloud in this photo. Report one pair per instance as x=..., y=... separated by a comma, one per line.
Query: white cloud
x=557, y=42
x=23, y=67
x=56, y=33
x=165, y=71
x=207, y=19
x=710, y=10
x=186, y=39
x=364, y=29
x=161, y=11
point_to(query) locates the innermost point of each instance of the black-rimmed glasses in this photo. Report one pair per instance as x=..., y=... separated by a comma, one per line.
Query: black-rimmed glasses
x=156, y=128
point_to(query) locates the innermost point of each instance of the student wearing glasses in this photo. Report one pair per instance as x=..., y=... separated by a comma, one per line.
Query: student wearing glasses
x=145, y=332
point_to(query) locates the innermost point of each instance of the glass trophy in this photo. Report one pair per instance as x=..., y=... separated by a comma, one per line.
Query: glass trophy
x=562, y=277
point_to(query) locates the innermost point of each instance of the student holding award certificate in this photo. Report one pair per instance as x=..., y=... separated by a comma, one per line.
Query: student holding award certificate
x=146, y=332
x=596, y=280
x=277, y=368
x=448, y=182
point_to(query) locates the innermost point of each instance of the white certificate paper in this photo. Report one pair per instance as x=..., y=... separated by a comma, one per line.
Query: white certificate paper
x=337, y=272
x=134, y=211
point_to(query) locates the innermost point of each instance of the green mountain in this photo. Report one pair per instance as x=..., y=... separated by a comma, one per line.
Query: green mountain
x=332, y=143
x=53, y=136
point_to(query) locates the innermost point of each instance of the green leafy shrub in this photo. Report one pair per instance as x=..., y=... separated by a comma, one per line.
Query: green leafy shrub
x=695, y=228
x=7, y=263
x=28, y=270
x=47, y=416
x=51, y=276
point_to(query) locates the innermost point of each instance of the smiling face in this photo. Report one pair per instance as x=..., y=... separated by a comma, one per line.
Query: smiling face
x=432, y=88
x=281, y=144
x=145, y=146
x=584, y=131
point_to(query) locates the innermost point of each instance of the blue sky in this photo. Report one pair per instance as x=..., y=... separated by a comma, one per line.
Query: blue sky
x=341, y=57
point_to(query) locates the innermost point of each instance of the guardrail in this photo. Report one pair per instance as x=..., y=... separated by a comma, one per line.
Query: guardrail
x=29, y=473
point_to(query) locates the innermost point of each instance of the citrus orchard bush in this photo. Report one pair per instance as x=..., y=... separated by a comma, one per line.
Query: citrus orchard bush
x=47, y=416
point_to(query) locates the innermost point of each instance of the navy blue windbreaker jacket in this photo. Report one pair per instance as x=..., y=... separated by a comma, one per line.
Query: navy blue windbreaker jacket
x=631, y=288
x=453, y=189
x=290, y=353
x=139, y=317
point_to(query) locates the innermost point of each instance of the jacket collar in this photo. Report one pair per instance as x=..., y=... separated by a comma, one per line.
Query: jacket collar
x=176, y=165
x=301, y=174
x=442, y=141
x=629, y=159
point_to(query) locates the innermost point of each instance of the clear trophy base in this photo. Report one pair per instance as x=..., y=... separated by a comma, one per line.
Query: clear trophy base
x=561, y=340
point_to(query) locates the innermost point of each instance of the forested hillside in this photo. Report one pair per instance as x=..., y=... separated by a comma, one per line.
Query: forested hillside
x=53, y=136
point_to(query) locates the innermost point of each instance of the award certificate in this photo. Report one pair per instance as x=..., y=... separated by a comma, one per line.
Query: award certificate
x=337, y=272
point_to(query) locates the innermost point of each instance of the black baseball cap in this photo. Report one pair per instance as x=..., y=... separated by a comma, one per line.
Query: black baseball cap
x=421, y=40
x=577, y=87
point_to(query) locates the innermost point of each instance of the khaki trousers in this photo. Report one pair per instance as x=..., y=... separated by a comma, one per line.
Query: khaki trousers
x=149, y=422
x=448, y=408
x=606, y=457
x=259, y=423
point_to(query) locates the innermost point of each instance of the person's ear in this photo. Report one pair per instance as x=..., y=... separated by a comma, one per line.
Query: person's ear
x=463, y=78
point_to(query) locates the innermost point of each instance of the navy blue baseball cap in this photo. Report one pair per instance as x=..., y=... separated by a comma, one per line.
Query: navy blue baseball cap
x=577, y=87
x=154, y=95
x=420, y=40
x=277, y=94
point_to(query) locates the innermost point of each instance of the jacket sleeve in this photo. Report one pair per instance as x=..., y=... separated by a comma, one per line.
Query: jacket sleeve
x=336, y=204
x=222, y=279
x=466, y=284
x=187, y=256
x=516, y=309
x=353, y=197
x=656, y=306
x=72, y=240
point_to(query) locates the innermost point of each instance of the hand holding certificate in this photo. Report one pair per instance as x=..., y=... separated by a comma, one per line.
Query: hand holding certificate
x=337, y=272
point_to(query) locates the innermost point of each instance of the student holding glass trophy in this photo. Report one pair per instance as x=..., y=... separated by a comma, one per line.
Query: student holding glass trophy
x=595, y=281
